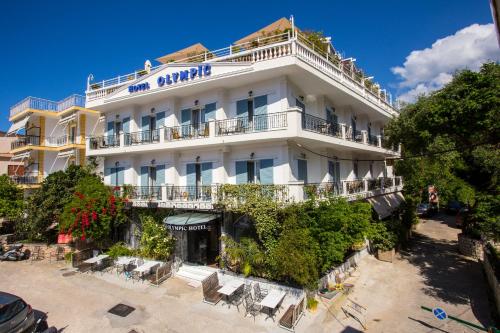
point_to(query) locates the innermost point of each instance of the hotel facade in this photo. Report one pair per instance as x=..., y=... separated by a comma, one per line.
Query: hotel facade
x=272, y=109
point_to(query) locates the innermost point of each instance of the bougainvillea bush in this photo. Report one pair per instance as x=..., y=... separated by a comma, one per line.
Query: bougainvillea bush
x=94, y=211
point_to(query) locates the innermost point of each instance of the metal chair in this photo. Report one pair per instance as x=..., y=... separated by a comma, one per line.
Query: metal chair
x=57, y=255
x=259, y=293
x=251, y=307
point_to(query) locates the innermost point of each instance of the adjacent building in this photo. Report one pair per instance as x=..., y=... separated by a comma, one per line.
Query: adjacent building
x=274, y=108
x=47, y=136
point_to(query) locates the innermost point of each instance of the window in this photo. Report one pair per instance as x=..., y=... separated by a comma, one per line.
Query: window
x=371, y=170
x=117, y=176
x=255, y=171
x=300, y=105
x=334, y=172
x=302, y=170
x=253, y=112
x=9, y=311
x=355, y=169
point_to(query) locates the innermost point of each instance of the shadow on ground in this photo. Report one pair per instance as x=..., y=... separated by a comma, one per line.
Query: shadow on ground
x=448, y=275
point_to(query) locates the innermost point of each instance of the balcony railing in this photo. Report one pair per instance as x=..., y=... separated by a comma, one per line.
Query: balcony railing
x=142, y=137
x=24, y=141
x=145, y=193
x=103, y=142
x=47, y=105
x=27, y=179
x=258, y=123
x=263, y=49
x=322, y=126
x=59, y=141
x=354, y=186
x=374, y=184
x=189, y=193
x=186, y=132
x=372, y=140
x=323, y=190
x=355, y=136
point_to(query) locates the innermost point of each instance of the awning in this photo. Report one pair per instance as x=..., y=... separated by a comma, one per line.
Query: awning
x=384, y=205
x=189, y=221
x=67, y=119
x=67, y=153
x=20, y=156
x=17, y=126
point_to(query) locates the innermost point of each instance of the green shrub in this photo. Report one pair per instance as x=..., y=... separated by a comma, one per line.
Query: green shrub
x=381, y=238
x=156, y=242
x=119, y=250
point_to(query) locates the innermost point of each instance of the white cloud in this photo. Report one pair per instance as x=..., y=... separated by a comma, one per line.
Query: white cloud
x=427, y=70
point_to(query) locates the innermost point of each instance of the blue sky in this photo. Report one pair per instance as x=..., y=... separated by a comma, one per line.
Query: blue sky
x=49, y=47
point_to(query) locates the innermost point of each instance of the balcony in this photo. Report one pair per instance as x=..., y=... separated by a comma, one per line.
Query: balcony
x=289, y=124
x=27, y=179
x=208, y=197
x=35, y=103
x=25, y=141
x=258, y=123
x=264, y=49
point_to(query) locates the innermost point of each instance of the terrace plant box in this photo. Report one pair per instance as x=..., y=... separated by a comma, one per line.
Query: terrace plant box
x=387, y=256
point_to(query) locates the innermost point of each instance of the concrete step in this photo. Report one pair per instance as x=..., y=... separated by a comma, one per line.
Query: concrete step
x=192, y=275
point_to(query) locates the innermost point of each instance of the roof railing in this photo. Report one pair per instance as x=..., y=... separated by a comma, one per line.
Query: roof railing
x=37, y=103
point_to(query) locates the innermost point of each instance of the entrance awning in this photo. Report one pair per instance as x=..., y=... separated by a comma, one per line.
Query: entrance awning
x=384, y=205
x=190, y=221
x=17, y=126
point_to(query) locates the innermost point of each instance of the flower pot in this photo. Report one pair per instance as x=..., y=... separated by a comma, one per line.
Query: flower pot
x=387, y=256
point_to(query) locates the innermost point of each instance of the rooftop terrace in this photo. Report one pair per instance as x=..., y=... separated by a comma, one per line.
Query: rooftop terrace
x=36, y=103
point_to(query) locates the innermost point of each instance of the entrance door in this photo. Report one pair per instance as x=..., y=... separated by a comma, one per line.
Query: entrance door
x=203, y=245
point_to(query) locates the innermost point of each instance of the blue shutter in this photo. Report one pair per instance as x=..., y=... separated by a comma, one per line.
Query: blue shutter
x=160, y=119
x=113, y=175
x=260, y=113
x=144, y=180
x=185, y=121
x=120, y=176
x=266, y=172
x=328, y=115
x=242, y=113
x=241, y=172
x=191, y=174
x=110, y=132
x=160, y=174
x=302, y=170
x=206, y=173
x=209, y=112
x=126, y=125
x=108, y=172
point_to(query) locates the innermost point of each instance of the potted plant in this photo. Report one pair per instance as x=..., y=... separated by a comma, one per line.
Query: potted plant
x=312, y=304
x=383, y=242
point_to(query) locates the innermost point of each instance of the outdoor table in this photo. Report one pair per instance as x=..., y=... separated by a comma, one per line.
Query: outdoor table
x=94, y=260
x=272, y=300
x=121, y=261
x=230, y=288
x=146, y=267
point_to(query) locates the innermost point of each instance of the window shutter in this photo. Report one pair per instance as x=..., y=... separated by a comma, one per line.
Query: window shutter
x=302, y=170
x=331, y=171
x=209, y=112
x=206, y=173
x=266, y=172
x=241, y=172
x=145, y=123
x=126, y=125
x=260, y=112
x=160, y=119
x=113, y=175
x=337, y=172
x=110, y=130
x=160, y=174
x=185, y=121
x=144, y=176
x=190, y=174
x=242, y=108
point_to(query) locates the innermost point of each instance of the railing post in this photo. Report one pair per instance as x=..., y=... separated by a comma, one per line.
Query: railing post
x=379, y=141
x=163, y=192
x=343, y=131
x=121, y=139
x=161, y=133
x=365, y=185
x=211, y=128
x=364, y=137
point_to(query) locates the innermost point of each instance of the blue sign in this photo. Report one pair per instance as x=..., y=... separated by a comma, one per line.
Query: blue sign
x=439, y=313
x=185, y=75
x=138, y=87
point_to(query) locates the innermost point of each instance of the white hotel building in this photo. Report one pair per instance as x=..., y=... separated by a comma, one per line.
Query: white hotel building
x=271, y=108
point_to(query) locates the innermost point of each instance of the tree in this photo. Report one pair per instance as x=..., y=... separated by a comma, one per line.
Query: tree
x=156, y=242
x=45, y=205
x=93, y=211
x=11, y=199
x=450, y=138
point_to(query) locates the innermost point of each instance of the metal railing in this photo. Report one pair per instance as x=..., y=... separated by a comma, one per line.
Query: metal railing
x=261, y=49
x=145, y=193
x=387, y=182
x=186, y=132
x=323, y=190
x=24, y=141
x=27, y=179
x=354, y=186
x=142, y=137
x=47, y=105
x=374, y=184
x=319, y=125
x=189, y=193
x=372, y=140
x=70, y=101
x=103, y=142
x=61, y=140
x=398, y=181
x=257, y=123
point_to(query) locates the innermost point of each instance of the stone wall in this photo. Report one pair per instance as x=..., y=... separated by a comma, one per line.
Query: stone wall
x=470, y=247
x=48, y=250
x=343, y=269
x=492, y=281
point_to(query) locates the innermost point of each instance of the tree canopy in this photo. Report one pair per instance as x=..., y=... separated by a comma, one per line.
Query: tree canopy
x=451, y=139
x=11, y=199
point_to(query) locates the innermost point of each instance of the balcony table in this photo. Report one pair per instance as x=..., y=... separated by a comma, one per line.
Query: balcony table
x=272, y=301
x=230, y=288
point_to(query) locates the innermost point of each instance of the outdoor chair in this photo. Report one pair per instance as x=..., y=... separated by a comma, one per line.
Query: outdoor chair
x=128, y=269
x=292, y=315
x=160, y=274
x=79, y=258
x=237, y=298
x=103, y=265
x=57, y=255
x=210, y=285
x=251, y=307
x=259, y=293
